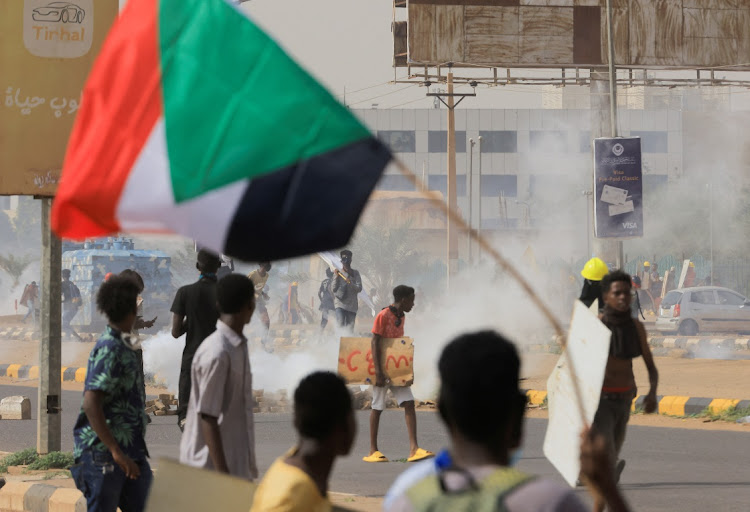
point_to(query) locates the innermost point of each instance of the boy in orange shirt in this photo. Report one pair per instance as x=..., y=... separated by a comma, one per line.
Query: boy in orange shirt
x=390, y=324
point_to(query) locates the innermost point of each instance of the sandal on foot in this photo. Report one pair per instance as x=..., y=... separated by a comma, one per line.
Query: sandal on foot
x=420, y=454
x=375, y=457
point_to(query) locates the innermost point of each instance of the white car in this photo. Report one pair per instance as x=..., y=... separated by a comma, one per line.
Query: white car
x=690, y=311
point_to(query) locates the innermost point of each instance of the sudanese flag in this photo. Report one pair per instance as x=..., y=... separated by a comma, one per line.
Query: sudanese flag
x=193, y=121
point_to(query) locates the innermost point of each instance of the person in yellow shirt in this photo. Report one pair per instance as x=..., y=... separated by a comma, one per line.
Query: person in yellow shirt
x=324, y=420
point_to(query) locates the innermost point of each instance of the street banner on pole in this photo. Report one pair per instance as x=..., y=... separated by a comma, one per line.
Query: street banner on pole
x=618, y=187
x=46, y=51
x=588, y=348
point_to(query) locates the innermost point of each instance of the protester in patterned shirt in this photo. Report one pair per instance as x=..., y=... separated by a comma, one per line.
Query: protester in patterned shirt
x=390, y=324
x=110, y=451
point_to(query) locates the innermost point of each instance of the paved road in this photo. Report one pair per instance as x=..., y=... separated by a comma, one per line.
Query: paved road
x=668, y=469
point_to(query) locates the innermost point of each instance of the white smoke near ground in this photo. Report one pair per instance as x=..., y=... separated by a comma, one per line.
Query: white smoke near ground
x=162, y=357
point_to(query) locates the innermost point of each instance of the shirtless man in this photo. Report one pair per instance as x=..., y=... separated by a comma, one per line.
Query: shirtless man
x=628, y=341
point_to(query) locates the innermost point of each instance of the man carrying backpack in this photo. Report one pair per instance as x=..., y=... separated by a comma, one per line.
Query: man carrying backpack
x=477, y=472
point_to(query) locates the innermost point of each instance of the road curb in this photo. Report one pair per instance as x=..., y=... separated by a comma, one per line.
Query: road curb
x=36, y=497
x=693, y=342
x=672, y=405
x=20, y=371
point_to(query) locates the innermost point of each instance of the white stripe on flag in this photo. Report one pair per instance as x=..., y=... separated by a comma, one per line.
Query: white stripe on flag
x=147, y=202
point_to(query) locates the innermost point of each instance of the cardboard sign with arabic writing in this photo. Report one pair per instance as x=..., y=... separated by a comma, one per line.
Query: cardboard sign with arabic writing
x=356, y=365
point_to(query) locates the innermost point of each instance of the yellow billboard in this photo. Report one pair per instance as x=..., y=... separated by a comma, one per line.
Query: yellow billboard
x=46, y=51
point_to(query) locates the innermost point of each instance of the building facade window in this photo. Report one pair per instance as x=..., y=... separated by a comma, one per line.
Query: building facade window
x=499, y=141
x=652, y=142
x=399, y=141
x=437, y=141
x=548, y=141
x=497, y=185
x=439, y=183
x=395, y=182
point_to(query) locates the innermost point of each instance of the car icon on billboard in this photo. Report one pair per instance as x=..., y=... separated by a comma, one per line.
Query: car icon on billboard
x=64, y=12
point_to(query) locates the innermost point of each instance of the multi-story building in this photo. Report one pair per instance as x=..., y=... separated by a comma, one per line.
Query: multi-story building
x=533, y=163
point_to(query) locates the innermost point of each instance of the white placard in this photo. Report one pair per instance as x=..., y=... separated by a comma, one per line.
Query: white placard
x=588, y=348
x=683, y=273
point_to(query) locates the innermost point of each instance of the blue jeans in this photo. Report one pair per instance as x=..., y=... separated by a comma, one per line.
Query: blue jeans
x=345, y=318
x=105, y=486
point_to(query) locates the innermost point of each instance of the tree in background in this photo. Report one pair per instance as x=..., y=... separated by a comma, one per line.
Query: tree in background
x=15, y=266
x=387, y=256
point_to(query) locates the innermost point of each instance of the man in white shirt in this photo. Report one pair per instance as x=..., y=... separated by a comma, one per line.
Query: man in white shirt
x=220, y=431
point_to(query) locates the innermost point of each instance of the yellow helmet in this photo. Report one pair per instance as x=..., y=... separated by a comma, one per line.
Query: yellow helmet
x=691, y=264
x=594, y=270
x=646, y=264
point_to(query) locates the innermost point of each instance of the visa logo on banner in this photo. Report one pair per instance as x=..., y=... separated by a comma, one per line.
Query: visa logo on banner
x=58, y=29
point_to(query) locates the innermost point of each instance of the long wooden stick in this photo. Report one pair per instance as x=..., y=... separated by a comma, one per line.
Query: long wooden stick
x=506, y=265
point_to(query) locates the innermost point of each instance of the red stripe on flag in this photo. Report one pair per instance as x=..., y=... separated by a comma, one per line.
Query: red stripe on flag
x=121, y=103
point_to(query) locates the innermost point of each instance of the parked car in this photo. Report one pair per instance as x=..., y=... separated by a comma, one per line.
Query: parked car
x=690, y=311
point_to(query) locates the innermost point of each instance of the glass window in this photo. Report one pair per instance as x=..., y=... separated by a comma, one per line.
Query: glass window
x=437, y=141
x=395, y=182
x=703, y=297
x=652, y=142
x=499, y=141
x=439, y=182
x=671, y=298
x=548, y=141
x=493, y=185
x=730, y=299
x=399, y=141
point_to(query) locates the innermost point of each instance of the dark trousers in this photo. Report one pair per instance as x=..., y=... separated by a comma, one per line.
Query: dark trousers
x=183, y=396
x=69, y=312
x=345, y=318
x=105, y=486
x=611, y=421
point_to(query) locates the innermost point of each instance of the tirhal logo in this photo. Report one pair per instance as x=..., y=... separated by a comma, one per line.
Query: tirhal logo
x=64, y=12
x=58, y=29
x=618, y=149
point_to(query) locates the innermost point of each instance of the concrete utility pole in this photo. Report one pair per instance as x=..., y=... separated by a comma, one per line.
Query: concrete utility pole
x=452, y=196
x=452, y=235
x=603, y=97
x=48, y=414
x=471, y=197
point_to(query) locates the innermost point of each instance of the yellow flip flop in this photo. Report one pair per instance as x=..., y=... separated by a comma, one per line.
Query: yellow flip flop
x=421, y=454
x=375, y=457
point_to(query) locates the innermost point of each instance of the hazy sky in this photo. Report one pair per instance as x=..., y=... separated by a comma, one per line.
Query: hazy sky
x=348, y=43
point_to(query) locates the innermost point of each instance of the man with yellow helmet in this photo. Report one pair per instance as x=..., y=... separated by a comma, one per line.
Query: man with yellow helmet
x=593, y=272
x=690, y=276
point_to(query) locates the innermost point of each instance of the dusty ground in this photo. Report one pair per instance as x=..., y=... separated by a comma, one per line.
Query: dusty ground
x=711, y=378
